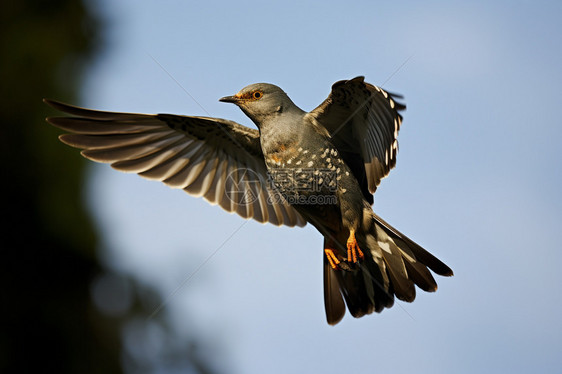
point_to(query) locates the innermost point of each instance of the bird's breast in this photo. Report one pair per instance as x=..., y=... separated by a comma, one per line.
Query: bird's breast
x=277, y=155
x=306, y=169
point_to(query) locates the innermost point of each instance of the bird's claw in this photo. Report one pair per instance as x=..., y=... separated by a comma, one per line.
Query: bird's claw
x=332, y=258
x=336, y=263
x=354, y=253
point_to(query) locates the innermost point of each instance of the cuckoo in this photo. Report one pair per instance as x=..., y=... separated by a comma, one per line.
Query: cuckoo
x=320, y=167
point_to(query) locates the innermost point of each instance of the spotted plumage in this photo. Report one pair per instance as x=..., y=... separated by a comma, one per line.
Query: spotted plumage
x=320, y=167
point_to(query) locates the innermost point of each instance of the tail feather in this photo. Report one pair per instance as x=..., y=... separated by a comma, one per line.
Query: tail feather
x=421, y=276
x=392, y=266
x=333, y=301
x=421, y=254
x=403, y=286
x=375, y=274
x=355, y=293
x=417, y=271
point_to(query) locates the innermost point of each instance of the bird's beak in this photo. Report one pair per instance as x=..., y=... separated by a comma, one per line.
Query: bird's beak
x=230, y=99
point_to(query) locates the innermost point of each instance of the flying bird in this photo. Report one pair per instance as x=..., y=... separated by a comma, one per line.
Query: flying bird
x=320, y=167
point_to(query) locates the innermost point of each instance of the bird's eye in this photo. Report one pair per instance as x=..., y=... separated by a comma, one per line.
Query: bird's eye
x=257, y=95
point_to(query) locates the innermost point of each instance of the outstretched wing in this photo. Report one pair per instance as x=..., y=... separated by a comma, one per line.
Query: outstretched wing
x=363, y=121
x=214, y=158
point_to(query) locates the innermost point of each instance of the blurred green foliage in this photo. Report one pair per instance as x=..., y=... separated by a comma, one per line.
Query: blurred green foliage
x=49, y=261
x=49, y=323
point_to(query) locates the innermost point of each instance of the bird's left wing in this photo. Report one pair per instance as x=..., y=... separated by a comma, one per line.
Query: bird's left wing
x=363, y=121
x=217, y=159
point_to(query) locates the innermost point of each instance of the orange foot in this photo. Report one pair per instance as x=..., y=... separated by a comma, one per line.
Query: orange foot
x=332, y=258
x=353, y=250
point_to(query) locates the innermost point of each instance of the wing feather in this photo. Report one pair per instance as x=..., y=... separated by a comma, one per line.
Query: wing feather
x=373, y=116
x=210, y=157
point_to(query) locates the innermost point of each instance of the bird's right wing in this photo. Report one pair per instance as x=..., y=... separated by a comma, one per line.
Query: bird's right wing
x=363, y=121
x=217, y=159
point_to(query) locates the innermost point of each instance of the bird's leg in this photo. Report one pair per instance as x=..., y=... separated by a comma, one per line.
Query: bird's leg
x=332, y=258
x=354, y=253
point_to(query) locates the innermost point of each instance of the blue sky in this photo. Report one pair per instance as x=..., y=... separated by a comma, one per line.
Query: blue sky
x=477, y=180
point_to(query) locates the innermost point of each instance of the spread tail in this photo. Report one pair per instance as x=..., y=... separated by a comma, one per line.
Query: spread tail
x=393, y=264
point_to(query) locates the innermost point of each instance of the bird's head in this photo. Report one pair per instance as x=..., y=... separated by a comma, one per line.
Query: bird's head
x=262, y=102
